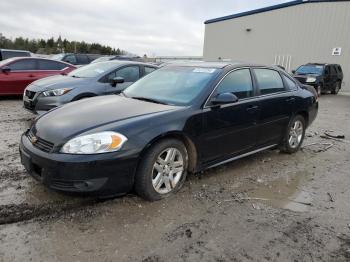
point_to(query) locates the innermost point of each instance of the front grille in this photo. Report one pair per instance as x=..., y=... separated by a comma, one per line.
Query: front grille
x=63, y=185
x=40, y=143
x=30, y=94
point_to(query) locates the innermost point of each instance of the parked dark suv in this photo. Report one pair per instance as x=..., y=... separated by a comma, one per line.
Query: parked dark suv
x=324, y=77
x=76, y=59
x=8, y=53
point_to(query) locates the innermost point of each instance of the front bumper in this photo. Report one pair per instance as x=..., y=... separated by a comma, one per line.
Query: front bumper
x=99, y=174
x=40, y=104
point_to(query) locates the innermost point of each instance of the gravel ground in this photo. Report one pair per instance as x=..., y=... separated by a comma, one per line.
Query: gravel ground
x=266, y=207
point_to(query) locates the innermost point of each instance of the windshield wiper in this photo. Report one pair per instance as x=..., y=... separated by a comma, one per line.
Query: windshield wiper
x=148, y=100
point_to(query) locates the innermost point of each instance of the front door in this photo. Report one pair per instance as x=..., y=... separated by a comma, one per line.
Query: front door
x=230, y=129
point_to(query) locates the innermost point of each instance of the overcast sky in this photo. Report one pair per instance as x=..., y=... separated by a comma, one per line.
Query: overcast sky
x=152, y=27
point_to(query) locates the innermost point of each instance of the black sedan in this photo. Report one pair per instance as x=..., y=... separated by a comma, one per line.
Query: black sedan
x=179, y=119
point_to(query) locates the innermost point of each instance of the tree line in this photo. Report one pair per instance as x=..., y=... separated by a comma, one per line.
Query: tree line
x=55, y=46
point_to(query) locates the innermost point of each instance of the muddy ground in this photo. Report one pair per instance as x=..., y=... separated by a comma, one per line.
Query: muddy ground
x=266, y=207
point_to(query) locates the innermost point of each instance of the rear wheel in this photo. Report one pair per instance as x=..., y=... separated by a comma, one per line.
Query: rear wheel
x=294, y=136
x=336, y=89
x=162, y=170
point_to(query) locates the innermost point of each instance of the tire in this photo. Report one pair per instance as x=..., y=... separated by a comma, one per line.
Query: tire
x=294, y=135
x=336, y=89
x=155, y=178
x=319, y=90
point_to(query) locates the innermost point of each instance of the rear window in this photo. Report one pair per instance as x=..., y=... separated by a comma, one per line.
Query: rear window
x=269, y=81
x=51, y=65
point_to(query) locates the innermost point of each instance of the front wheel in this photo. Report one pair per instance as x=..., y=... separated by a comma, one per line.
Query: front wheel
x=294, y=136
x=162, y=170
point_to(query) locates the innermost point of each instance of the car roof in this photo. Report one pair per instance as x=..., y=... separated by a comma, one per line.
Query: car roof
x=126, y=62
x=13, y=50
x=218, y=65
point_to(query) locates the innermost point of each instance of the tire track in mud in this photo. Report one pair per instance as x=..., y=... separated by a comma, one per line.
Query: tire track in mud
x=14, y=213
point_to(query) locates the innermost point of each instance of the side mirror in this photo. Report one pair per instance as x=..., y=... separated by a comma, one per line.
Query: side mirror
x=117, y=80
x=224, y=98
x=5, y=69
x=293, y=72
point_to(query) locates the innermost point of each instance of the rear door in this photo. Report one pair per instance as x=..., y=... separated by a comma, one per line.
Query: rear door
x=22, y=73
x=327, y=77
x=230, y=129
x=334, y=76
x=277, y=105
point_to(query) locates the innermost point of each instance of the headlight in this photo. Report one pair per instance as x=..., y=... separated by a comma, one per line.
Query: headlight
x=102, y=142
x=310, y=79
x=57, y=92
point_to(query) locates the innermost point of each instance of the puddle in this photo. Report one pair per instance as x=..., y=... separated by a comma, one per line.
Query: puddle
x=283, y=193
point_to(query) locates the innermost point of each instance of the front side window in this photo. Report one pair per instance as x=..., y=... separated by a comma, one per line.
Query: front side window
x=130, y=73
x=238, y=82
x=291, y=85
x=23, y=65
x=70, y=59
x=149, y=70
x=269, y=81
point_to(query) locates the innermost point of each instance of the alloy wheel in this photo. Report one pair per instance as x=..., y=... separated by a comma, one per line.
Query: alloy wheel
x=167, y=170
x=296, y=134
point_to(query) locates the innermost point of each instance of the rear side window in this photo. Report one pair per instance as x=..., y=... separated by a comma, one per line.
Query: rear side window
x=23, y=65
x=51, y=65
x=269, y=81
x=9, y=54
x=339, y=69
x=83, y=59
x=290, y=84
x=130, y=73
x=238, y=82
x=149, y=70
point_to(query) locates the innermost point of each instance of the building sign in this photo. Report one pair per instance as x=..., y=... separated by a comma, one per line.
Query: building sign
x=336, y=51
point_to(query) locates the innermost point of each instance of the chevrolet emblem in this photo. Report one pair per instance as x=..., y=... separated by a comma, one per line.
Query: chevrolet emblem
x=34, y=139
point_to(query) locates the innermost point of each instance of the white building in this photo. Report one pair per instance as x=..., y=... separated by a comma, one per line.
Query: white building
x=288, y=34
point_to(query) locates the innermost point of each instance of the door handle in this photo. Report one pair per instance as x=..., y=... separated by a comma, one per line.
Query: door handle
x=252, y=109
x=31, y=75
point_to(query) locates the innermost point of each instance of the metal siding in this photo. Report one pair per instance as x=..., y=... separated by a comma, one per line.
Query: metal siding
x=307, y=32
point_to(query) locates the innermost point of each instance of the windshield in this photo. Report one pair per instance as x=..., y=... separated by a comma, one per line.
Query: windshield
x=57, y=57
x=93, y=70
x=310, y=69
x=172, y=85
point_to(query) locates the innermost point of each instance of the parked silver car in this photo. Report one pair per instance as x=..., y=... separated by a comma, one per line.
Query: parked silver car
x=96, y=79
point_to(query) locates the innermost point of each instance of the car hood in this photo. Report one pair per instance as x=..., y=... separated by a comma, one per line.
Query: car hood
x=63, y=123
x=57, y=81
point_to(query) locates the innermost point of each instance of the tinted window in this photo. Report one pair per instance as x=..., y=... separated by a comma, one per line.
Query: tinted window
x=291, y=85
x=50, y=65
x=83, y=59
x=149, y=70
x=27, y=64
x=238, y=82
x=70, y=59
x=130, y=73
x=9, y=54
x=333, y=70
x=269, y=81
x=339, y=69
